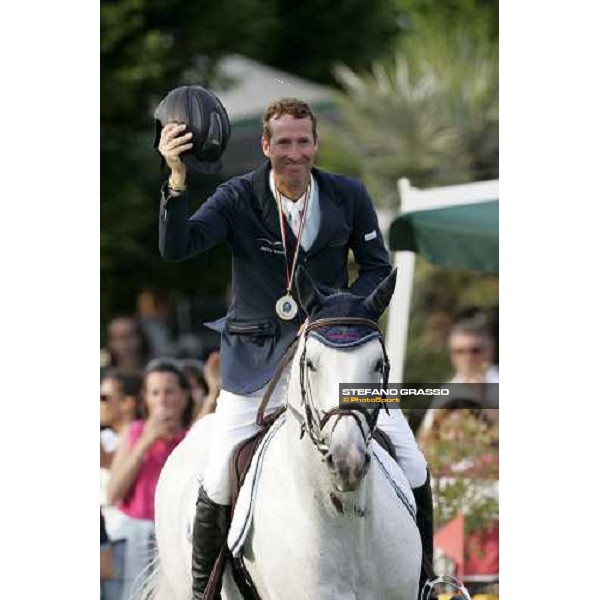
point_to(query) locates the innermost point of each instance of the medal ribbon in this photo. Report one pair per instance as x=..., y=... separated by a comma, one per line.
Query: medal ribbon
x=290, y=274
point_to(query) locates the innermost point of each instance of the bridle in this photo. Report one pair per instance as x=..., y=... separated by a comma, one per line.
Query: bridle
x=313, y=421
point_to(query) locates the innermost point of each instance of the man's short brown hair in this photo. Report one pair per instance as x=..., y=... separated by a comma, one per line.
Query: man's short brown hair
x=288, y=106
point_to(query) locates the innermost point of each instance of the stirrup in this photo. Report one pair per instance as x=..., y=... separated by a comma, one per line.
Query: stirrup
x=448, y=580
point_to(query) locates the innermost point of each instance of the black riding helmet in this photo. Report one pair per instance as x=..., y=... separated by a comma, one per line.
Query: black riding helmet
x=207, y=119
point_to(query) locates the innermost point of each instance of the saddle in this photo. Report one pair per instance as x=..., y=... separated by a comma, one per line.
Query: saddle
x=242, y=455
x=240, y=464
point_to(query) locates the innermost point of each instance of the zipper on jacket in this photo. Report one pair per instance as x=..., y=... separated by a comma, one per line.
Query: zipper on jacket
x=234, y=328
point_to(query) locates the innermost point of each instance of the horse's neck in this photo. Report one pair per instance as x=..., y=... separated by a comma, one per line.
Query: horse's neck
x=304, y=461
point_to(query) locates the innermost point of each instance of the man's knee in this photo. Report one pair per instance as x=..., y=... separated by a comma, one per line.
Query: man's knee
x=415, y=469
x=410, y=457
x=216, y=479
x=217, y=490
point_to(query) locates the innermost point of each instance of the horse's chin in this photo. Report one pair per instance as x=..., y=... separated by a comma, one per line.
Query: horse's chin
x=345, y=483
x=348, y=467
x=347, y=486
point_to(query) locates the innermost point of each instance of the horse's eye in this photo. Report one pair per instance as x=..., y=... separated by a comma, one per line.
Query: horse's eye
x=309, y=365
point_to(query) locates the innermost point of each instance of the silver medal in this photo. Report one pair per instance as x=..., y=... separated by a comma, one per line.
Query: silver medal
x=286, y=308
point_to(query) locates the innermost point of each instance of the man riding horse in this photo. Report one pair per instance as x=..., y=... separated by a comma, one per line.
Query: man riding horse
x=284, y=214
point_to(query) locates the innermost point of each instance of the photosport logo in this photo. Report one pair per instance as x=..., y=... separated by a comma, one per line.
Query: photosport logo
x=426, y=395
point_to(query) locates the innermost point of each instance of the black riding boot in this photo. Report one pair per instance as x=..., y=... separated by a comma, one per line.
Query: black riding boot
x=209, y=535
x=424, y=501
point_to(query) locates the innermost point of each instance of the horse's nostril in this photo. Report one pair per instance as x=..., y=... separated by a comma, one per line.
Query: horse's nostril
x=329, y=460
x=368, y=459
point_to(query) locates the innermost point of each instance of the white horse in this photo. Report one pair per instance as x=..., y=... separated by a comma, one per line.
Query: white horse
x=327, y=522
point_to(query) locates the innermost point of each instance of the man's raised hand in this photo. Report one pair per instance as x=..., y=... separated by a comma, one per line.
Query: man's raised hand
x=173, y=143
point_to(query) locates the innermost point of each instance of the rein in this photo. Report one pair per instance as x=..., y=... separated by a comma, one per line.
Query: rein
x=310, y=421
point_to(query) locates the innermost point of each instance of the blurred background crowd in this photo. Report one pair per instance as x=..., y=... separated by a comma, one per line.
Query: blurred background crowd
x=151, y=392
x=402, y=88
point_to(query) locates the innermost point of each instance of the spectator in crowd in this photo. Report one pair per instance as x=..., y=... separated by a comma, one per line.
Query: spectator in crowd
x=471, y=351
x=127, y=345
x=120, y=399
x=154, y=311
x=136, y=467
x=205, y=381
x=194, y=371
x=119, y=405
x=120, y=395
x=212, y=375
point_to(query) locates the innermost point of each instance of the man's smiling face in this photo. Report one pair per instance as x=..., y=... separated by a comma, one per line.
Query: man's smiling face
x=292, y=150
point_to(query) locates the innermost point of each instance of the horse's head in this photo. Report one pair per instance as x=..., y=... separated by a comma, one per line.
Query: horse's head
x=341, y=342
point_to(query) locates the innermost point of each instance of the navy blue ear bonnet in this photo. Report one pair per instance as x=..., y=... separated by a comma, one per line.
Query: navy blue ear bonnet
x=327, y=303
x=344, y=336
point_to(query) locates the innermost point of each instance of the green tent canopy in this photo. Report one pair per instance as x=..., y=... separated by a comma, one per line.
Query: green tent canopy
x=458, y=237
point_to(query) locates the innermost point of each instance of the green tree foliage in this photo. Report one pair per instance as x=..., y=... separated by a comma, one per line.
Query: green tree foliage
x=311, y=36
x=147, y=48
x=430, y=114
x=150, y=46
x=417, y=14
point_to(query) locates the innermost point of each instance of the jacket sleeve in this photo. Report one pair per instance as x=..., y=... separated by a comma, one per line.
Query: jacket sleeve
x=180, y=236
x=366, y=242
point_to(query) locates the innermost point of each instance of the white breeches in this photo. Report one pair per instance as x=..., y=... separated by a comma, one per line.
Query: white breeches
x=235, y=421
x=410, y=458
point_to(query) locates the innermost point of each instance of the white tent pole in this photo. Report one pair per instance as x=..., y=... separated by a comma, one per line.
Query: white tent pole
x=399, y=311
x=398, y=316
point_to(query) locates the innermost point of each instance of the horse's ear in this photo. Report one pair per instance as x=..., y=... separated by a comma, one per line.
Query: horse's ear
x=308, y=294
x=378, y=301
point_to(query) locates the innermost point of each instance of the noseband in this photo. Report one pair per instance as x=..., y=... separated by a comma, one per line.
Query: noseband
x=312, y=421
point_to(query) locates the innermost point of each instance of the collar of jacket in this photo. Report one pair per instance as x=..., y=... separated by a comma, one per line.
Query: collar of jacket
x=332, y=210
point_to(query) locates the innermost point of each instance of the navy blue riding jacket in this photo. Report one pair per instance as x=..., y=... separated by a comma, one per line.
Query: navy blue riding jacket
x=243, y=214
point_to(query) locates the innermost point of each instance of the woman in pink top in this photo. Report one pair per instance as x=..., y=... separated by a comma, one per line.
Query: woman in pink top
x=139, y=459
